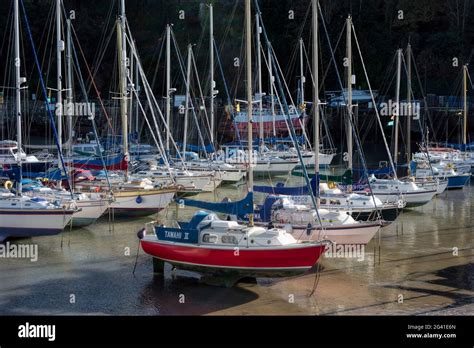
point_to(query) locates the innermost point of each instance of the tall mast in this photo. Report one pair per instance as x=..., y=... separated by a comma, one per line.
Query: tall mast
x=464, y=139
x=302, y=78
x=131, y=71
x=248, y=46
x=270, y=72
x=168, y=86
x=69, y=92
x=349, y=90
x=59, y=78
x=315, y=96
x=137, y=89
x=259, y=81
x=18, y=91
x=186, y=106
x=211, y=70
x=410, y=108
x=123, y=83
x=397, y=103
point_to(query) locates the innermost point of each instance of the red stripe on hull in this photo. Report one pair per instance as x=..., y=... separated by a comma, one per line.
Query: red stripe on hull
x=290, y=258
x=122, y=165
x=280, y=126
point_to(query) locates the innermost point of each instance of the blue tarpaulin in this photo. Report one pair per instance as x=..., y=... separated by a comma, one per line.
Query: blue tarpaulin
x=238, y=208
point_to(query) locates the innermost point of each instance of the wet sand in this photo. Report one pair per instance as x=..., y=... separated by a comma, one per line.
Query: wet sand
x=416, y=272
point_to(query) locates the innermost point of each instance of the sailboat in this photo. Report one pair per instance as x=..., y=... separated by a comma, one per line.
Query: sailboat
x=298, y=210
x=223, y=171
x=20, y=215
x=31, y=165
x=362, y=207
x=450, y=164
x=208, y=243
x=133, y=195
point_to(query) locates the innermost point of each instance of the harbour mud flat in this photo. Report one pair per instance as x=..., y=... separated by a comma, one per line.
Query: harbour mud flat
x=421, y=264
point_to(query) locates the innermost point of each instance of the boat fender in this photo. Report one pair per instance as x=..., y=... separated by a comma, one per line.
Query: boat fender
x=8, y=185
x=141, y=233
x=400, y=203
x=308, y=229
x=139, y=199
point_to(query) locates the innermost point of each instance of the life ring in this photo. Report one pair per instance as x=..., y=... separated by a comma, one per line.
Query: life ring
x=8, y=185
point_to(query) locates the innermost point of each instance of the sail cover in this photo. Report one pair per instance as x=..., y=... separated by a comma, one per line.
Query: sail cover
x=238, y=208
x=281, y=189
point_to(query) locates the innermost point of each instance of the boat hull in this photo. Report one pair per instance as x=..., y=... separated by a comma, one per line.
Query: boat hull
x=274, y=167
x=440, y=186
x=389, y=214
x=229, y=176
x=111, y=163
x=413, y=199
x=251, y=261
x=140, y=203
x=308, y=160
x=89, y=213
x=458, y=182
x=34, y=223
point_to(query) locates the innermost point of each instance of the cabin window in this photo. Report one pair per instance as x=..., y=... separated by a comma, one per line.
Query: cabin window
x=229, y=239
x=209, y=238
x=323, y=201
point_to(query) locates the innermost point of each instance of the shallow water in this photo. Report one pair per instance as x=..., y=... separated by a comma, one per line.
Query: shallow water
x=89, y=271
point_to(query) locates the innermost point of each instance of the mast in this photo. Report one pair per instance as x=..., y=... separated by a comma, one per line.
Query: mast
x=211, y=70
x=349, y=90
x=315, y=96
x=130, y=96
x=272, y=79
x=137, y=102
x=464, y=138
x=122, y=42
x=59, y=82
x=259, y=81
x=69, y=92
x=410, y=108
x=168, y=86
x=18, y=92
x=397, y=103
x=302, y=78
x=186, y=106
x=248, y=51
